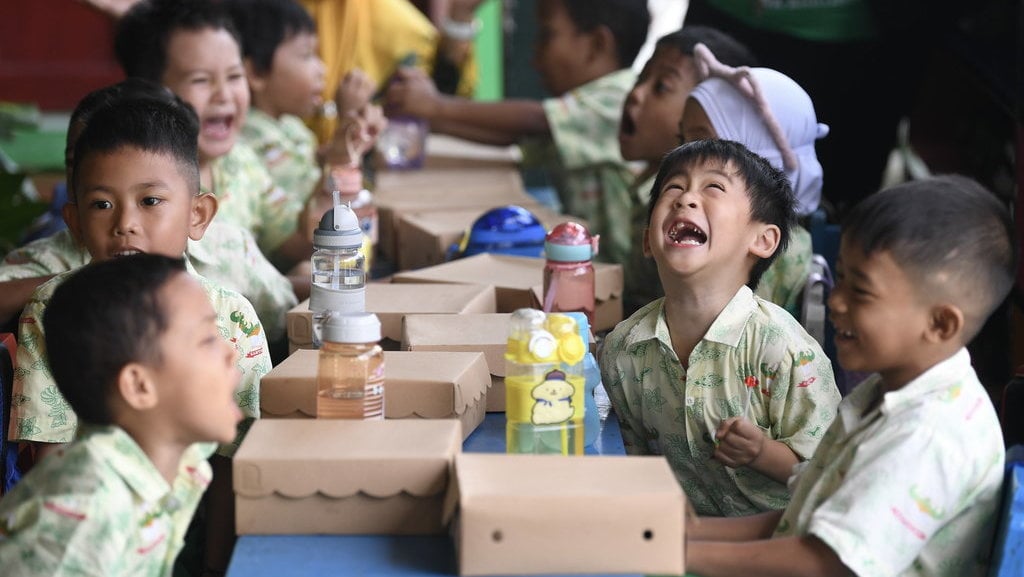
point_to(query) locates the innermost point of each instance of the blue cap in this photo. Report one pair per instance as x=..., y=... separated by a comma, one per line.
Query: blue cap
x=506, y=230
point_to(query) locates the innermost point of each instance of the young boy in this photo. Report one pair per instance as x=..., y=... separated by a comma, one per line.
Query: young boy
x=227, y=253
x=907, y=479
x=136, y=350
x=648, y=131
x=727, y=386
x=584, y=53
x=136, y=189
x=192, y=47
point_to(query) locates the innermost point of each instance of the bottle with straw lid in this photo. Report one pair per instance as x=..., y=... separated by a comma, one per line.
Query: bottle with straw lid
x=569, y=272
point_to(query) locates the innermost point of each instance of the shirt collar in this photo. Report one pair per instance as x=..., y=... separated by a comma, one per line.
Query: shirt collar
x=120, y=451
x=935, y=381
x=727, y=329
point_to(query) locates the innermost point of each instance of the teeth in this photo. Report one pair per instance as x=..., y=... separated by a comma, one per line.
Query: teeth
x=694, y=235
x=126, y=252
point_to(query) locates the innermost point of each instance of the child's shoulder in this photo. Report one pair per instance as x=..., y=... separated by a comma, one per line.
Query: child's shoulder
x=44, y=292
x=53, y=254
x=640, y=326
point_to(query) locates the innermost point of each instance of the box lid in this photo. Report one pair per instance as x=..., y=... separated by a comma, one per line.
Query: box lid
x=298, y=458
x=486, y=333
x=427, y=384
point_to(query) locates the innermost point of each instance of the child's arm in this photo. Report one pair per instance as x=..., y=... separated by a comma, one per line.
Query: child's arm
x=14, y=294
x=504, y=122
x=743, y=444
x=748, y=528
x=782, y=557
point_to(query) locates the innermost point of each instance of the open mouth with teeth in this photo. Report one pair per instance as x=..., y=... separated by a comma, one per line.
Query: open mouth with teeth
x=218, y=127
x=686, y=234
x=124, y=253
x=845, y=335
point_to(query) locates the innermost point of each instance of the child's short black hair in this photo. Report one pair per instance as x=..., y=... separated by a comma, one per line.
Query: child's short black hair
x=144, y=32
x=154, y=125
x=106, y=96
x=949, y=234
x=102, y=317
x=627, y=19
x=264, y=24
x=771, y=196
x=727, y=49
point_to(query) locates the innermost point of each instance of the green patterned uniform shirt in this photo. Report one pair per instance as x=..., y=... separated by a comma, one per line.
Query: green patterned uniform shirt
x=288, y=150
x=248, y=197
x=40, y=413
x=584, y=161
x=755, y=361
x=782, y=283
x=100, y=507
x=227, y=255
x=912, y=487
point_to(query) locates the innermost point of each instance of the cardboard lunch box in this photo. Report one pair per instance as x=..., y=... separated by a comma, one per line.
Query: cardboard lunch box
x=550, y=514
x=484, y=333
x=518, y=282
x=390, y=302
x=402, y=192
x=333, y=476
x=417, y=385
x=424, y=238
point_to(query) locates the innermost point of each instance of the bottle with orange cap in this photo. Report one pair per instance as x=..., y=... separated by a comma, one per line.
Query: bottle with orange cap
x=544, y=384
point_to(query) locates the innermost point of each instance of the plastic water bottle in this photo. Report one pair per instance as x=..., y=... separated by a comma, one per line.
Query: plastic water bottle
x=544, y=384
x=339, y=267
x=592, y=379
x=568, y=271
x=350, y=369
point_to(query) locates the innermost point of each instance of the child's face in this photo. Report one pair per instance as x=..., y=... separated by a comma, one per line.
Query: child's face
x=204, y=68
x=197, y=375
x=694, y=123
x=130, y=201
x=560, y=48
x=654, y=107
x=701, y=225
x=879, y=316
x=295, y=82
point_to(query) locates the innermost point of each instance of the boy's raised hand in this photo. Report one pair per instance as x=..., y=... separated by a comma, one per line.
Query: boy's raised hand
x=738, y=442
x=412, y=92
x=354, y=92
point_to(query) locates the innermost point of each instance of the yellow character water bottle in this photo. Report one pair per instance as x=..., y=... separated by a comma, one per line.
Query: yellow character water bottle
x=544, y=384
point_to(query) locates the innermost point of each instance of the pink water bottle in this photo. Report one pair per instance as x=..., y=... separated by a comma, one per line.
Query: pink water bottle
x=568, y=272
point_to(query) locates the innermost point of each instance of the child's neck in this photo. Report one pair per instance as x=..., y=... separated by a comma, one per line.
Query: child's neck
x=689, y=312
x=206, y=174
x=164, y=454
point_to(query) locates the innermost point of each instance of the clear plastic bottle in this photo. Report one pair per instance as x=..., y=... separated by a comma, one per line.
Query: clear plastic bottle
x=350, y=370
x=339, y=267
x=592, y=380
x=568, y=270
x=544, y=384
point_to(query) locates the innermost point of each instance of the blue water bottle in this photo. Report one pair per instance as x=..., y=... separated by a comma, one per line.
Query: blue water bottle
x=592, y=376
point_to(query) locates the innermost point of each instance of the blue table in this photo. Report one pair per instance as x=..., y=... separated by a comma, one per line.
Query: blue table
x=380, y=555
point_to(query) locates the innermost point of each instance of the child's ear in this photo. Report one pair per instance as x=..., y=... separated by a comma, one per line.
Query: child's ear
x=256, y=80
x=602, y=45
x=947, y=322
x=136, y=387
x=204, y=208
x=647, y=243
x=70, y=213
x=766, y=242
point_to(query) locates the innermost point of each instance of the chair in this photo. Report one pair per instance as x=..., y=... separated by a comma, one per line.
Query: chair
x=9, y=473
x=1008, y=546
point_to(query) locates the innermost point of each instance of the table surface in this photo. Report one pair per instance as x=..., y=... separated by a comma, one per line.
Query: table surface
x=379, y=555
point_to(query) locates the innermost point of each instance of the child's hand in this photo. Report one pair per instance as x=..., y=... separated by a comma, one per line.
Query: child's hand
x=356, y=134
x=354, y=92
x=413, y=93
x=739, y=442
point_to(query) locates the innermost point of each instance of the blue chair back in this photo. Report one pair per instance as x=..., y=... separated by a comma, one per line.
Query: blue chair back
x=9, y=473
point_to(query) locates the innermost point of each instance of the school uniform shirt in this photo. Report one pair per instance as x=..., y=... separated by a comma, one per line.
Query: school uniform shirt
x=583, y=159
x=287, y=148
x=227, y=255
x=248, y=197
x=100, y=507
x=755, y=361
x=912, y=487
x=40, y=413
x=642, y=284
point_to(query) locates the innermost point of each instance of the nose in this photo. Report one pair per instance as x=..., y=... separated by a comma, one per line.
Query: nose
x=835, y=302
x=635, y=95
x=125, y=223
x=686, y=199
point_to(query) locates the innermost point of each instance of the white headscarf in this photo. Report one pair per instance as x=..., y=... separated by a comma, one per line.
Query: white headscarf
x=770, y=114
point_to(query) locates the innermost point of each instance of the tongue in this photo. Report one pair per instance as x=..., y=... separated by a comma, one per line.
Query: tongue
x=216, y=128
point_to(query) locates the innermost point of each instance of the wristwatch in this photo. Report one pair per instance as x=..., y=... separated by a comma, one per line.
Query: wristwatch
x=461, y=31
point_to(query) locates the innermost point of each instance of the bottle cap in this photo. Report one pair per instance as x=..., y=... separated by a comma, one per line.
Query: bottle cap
x=542, y=344
x=570, y=242
x=339, y=228
x=507, y=229
x=352, y=328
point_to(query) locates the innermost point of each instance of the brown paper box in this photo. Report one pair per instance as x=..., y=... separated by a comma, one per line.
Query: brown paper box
x=519, y=282
x=425, y=237
x=549, y=514
x=398, y=193
x=445, y=151
x=417, y=385
x=391, y=302
x=485, y=333
x=343, y=477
